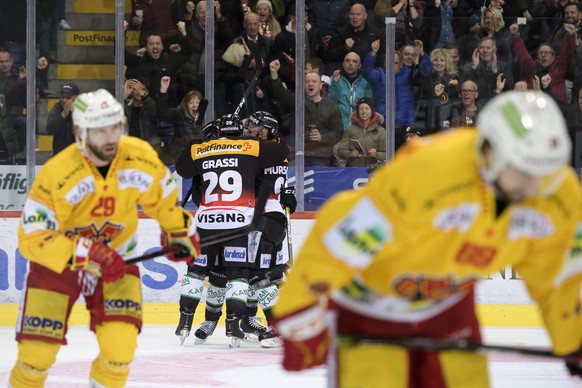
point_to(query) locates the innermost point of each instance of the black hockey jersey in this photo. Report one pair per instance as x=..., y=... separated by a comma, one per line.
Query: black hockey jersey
x=225, y=171
x=274, y=172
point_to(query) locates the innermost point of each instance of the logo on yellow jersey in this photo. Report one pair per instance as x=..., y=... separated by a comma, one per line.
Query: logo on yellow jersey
x=367, y=241
x=459, y=217
x=530, y=223
x=359, y=235
x=37, y=217
x=83, y=188
x=107, y=233
x=576, y=249
x=476, y=255
x=436, y=288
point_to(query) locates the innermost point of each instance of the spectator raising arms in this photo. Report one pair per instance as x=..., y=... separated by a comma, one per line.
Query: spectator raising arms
x=356, y=36
x=548, y=71
x=348, y=85
x=323, y=119
x=152, y=16
x=485, y=68
x=283, y=48
x=269, y=25
x=376, y=77
x=184, y=118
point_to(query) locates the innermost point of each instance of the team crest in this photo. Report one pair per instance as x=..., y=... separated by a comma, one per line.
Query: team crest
x=107, y=233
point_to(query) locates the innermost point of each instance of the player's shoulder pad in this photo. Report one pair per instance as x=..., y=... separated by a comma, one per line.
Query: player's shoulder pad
x=62, y=170
x=273, y=151
x=568, y=198
x=138, y=152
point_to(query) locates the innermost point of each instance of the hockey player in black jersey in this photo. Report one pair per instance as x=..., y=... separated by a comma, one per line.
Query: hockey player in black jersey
x=266, y=243
x=192, y=285
x=225, y=171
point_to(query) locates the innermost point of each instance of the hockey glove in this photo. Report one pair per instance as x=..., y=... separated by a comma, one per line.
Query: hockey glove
x=184, y=243
x=288, y=199
x=276, y=273
x=98, y=259
x=305, y=338
x=574, y=365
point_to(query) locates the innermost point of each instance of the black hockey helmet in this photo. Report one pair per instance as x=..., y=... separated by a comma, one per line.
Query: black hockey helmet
x=230, y=125
x=267, y=121
x=211, y=131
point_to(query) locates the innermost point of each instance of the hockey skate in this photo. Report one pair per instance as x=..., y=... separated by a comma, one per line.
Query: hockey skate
x=204, y=331
x=270, y=339
x=233, y=331
x=185, y=324
x=252, y=328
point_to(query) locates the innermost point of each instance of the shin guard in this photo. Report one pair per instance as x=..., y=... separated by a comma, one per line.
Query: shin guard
x=34, y=360
x=117, y=342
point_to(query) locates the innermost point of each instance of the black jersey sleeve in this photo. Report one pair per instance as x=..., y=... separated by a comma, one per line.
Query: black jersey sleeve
x=196, y=190
x=272, y=153
x=184, y=164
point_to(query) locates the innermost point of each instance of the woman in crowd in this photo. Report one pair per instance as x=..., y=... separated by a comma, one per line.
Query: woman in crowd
x=183, y=117
x=439, y=87
x=269, y=25
x=364, y=140
x=493, y=26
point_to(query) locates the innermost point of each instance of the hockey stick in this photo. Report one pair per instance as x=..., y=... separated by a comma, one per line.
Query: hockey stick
x=240, y=104
x=201, y=112
x=220, y=237
x=433, y=344
x=289, y=239
x=258, y=64
x=186, y=197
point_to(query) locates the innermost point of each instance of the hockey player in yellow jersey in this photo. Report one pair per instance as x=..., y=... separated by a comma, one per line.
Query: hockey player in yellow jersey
x=400, y=258
x=78, y=224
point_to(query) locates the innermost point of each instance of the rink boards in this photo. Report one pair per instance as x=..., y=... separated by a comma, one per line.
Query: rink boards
x=502, y=298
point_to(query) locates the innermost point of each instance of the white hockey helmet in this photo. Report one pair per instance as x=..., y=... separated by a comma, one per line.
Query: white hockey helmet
x=95, y=110
x=526, y=130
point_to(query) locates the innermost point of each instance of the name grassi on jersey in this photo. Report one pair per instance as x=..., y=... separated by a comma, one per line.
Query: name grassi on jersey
x=226, y=162
x=221, y=147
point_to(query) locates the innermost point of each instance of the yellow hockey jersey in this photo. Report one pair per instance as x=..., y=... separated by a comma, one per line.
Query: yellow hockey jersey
x=426, y=227
x=70, y=197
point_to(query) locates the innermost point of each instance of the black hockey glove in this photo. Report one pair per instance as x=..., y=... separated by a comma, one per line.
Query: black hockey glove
x=288, y=199
x=574, y=366
x=277, y=272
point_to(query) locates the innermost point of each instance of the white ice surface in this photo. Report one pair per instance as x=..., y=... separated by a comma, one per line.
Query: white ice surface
x=161, y=362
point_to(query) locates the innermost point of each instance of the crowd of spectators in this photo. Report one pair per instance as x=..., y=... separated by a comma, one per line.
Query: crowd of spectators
x=451, y=57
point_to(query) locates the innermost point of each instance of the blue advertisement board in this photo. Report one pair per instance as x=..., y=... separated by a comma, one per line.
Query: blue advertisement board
x=320, y=183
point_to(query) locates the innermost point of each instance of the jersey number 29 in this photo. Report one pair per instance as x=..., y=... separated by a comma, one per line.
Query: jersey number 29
x=225, y=187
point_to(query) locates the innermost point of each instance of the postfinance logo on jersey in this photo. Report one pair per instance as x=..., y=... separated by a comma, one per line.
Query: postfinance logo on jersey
x=224, y=146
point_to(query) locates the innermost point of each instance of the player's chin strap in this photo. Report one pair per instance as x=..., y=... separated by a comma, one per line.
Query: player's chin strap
x=433, y=344
x=82, y=145
x=220, y=237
